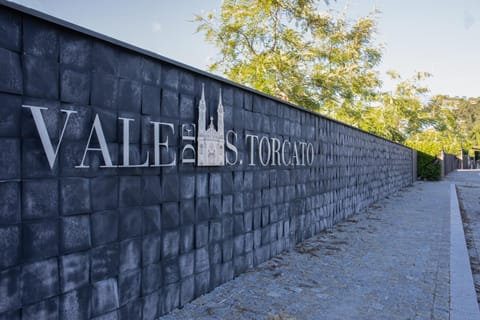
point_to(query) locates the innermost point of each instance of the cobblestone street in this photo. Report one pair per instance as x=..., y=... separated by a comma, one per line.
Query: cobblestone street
x=389, y=262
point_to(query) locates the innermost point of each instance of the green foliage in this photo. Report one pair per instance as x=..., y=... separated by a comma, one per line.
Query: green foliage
x=428, y=166
x=297, y=51
x=307, y=55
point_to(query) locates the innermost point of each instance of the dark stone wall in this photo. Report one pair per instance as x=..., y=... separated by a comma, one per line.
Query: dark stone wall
x=135, y=243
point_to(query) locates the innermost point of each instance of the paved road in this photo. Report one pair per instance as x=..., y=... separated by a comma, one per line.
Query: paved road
x=390, y=262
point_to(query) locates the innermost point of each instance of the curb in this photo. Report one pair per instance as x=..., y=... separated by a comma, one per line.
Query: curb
x=463, y=298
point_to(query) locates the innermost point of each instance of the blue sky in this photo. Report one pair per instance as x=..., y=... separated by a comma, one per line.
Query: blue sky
x=438, y=36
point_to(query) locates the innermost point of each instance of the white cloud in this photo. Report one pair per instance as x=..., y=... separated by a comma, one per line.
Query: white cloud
x=156, y=27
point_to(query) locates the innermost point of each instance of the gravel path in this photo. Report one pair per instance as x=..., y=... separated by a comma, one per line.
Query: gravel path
x=390, y=262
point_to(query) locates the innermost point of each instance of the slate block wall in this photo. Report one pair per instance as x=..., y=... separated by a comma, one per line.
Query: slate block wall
x=135, y=243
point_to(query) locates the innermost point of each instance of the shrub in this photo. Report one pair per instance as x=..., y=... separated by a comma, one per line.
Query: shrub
x=428, y=166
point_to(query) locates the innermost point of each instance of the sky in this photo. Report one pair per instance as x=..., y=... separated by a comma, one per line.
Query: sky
x=441, y=37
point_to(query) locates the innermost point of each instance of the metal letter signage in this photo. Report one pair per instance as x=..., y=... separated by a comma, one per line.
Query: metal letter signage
x=214, y=147
x=210, y=142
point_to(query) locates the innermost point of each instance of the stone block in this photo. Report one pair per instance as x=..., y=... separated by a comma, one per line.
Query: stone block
x=187, y=187
x=39, y=280
x=187, y=212
x=74, y=86
x=215, y=253
x=45, y=310
x=10, y=156
x=11, y=78
x=239, y=227
x=202, y=283
x=227, y=250
x=216, y=206
x=129, y=284
x=187, y=290
x=75, y=233
x=171, y=77
x=151, y=100
x=10, y=203
x=151, y=71
x=170, y=215
x=201, y=235
x=104, y=227
x=151, y=278
x=215, y=184
x=105, y=262
x=10, y=290
x=238, y=203
x=187, y=236
x=129, y=191
x=75, y=305
x=187, y=108
x=130, y=64
x=257, y=238
x=227, y=271
x=75, y=50
x=227, y=204
x=171, y=297
x=239, y=265
x=151, y=219
x=171, y=273
x=130, y=222
x=104, y=193
x=40, y=38
x=239, y=245
x=170, y=187
x=10, y=115
x=202, y=209
x=257, y=218
x=130, y=94
x=40, y=199
x=74, y=271
x=104, y=296
x=265, y=216
x=227, y=227
x=130, y=254
x=40, y=240
x=75, y=195
x=104, y=90
x=151, y=248
x=249, y=240
x=201, y=260
x=227, y=183
x=170, y=104
x=132, y=310
x=215, y=231
x=186, y=264
x=39, y=74
x=151, y=190
x=150, y=306
x=105, y=58
x=170, y=244
x=10, y=29
x=248, y=220
x=201, y=185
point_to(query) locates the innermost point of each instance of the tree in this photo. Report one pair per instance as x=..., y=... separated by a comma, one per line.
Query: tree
x=399, y=114
x=297, y=51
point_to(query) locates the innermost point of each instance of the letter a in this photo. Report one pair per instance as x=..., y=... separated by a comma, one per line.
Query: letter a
x=43, y=132
x=97, y=127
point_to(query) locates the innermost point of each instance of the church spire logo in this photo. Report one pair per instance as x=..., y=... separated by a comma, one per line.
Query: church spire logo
x=211, y=140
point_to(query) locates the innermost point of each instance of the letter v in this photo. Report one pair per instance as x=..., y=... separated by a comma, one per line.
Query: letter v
x=43, y=132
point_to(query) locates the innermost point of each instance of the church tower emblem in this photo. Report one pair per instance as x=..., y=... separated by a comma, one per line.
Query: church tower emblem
x=211, y=140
